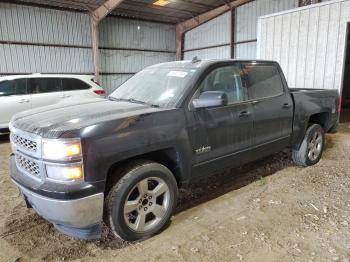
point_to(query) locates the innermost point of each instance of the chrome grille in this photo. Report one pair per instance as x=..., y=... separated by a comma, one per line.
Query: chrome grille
x=24, y=143
x=28, y=165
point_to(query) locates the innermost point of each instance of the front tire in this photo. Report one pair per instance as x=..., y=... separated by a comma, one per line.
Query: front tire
x=141, y=203
x=311, y=149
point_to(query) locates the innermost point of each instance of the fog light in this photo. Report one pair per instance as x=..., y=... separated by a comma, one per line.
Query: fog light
x=65, y=173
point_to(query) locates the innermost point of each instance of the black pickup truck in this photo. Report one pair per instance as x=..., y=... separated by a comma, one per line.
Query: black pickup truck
x=123, y=159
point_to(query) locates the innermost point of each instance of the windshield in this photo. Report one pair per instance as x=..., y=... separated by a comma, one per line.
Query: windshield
x=162, y=87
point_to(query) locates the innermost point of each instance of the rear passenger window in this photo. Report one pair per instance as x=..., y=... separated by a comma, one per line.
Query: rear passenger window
x=71, y=84
x=226, y=79
x=13, y=87
x=263, y=81
x=44, y=85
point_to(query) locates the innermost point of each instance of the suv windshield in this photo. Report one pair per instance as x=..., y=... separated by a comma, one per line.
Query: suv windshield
x=161, y=87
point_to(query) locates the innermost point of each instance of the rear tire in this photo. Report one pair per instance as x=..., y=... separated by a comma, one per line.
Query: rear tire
x=311, y=149
x=141, y=203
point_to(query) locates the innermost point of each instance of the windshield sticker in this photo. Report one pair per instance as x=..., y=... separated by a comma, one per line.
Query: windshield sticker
x=177, y=74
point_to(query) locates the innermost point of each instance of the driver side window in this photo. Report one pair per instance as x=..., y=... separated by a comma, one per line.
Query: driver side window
x=226, y=79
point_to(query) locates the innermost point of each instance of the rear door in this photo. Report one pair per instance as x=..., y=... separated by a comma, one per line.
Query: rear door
x=45, y=91
x=13, y=99
x=76, y=89
x=272, y=106
x=220, y=135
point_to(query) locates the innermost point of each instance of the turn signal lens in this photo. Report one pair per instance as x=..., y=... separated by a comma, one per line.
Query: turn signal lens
x=64, y=173
x=72, y=173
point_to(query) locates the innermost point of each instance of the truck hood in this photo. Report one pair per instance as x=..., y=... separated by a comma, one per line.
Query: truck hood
x=53, y=121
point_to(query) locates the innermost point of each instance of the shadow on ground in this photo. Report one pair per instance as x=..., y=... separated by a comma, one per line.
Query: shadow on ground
x=215, y=186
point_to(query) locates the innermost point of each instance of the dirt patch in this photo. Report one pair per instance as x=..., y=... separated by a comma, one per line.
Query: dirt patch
x=269, y=210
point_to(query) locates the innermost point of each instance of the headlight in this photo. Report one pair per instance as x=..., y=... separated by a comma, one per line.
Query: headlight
x=61, y=149
x=65, y=173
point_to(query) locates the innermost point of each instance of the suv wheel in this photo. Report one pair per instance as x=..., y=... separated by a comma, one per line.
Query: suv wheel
x=141, y=203
x=311, y=149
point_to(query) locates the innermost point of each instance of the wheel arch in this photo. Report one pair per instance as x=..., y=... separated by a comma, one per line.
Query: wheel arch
x=322, y=118
x=169, y=157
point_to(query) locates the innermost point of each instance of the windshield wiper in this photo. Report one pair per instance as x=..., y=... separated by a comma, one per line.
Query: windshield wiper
x=132, y=100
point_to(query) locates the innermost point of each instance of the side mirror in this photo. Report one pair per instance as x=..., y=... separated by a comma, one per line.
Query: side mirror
x=210, y=99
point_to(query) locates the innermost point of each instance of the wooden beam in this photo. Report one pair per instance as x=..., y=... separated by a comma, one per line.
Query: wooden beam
x=102, y=11
x=179, y=43
x=308, y=2
x=187, y=25
x=201, y=19
x=95, y=51
x=95, y=18
x=232, y=33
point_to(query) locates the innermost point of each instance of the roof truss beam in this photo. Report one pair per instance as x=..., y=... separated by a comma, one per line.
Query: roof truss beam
x=102, y=11
x=187, y=25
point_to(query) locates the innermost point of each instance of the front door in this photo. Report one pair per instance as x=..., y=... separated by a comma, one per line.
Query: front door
x=219, y=134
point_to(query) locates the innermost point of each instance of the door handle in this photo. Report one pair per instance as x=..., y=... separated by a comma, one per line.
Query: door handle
x=65, y=96
x=255, y=102
x=23, y=101
x=286, y=105
x=244, y=114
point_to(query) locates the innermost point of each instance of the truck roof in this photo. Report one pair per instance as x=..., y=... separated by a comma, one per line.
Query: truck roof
x=198, y=63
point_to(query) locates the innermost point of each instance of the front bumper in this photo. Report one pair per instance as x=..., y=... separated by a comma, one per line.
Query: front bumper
x=79, y=213
x=80, y=217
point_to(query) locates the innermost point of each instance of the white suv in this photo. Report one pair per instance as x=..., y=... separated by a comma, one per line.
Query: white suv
x=22, y=92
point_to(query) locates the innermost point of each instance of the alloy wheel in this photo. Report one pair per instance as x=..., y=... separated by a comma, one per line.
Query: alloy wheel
x=146, y=204
x=315, y=146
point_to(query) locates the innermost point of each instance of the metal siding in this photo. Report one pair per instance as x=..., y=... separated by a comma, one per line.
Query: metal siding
x=132, y=34
x=293, y=47
x=312, y=44
x=278, y=38
x=246, y=51
x=28, y=25
x=21, y=23
x=303, y=39
x=344, y=16
x=246, y=17
x=122, y=61
x=213, y=32
x=117, y=32
x=209, y=53
x=44, y=59
x=217, y=31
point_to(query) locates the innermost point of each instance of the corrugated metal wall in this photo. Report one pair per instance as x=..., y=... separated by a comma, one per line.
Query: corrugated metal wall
x=308, y=42
x=127, y=46
x=44, y=40
x=210, y=40
x=246, y=17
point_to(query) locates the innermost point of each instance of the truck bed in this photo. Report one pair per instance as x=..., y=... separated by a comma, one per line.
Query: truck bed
x=321, y=103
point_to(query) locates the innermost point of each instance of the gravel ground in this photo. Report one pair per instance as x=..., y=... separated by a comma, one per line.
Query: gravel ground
x=266, y=211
